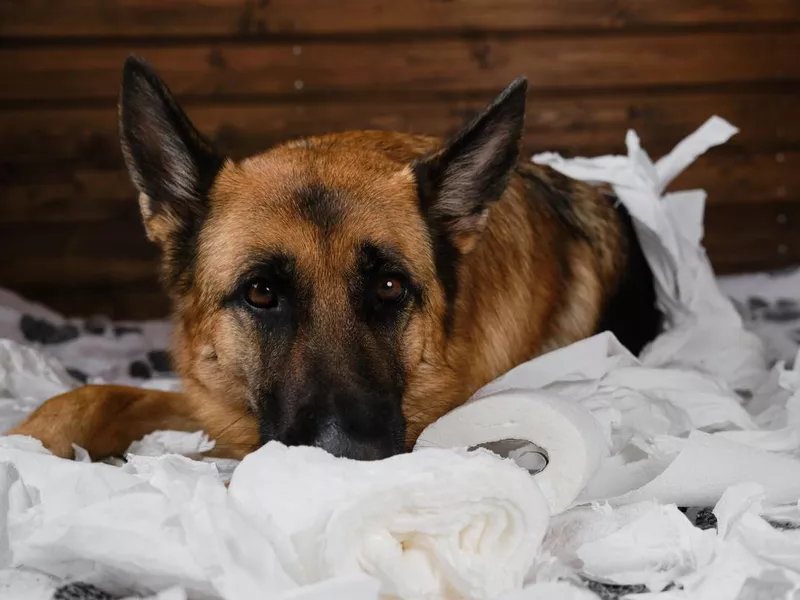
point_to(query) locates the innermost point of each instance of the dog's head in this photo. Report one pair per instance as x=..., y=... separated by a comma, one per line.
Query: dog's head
x=313, y=283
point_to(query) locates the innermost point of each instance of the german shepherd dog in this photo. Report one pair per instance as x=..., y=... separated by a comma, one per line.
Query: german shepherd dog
x=344, y=291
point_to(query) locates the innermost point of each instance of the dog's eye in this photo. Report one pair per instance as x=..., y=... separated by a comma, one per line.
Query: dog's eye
x=259, y=294
x=390, y=289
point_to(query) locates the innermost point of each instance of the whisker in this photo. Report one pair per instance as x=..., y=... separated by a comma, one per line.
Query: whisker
x=235, y=421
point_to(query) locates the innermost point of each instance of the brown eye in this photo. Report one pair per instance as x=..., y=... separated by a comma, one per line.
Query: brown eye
x=260, y=295
x=390, y=289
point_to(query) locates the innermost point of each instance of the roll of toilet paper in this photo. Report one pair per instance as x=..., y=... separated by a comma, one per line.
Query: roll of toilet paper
x=570, y=436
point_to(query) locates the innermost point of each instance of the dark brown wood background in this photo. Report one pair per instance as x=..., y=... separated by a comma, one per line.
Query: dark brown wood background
x=253, y=72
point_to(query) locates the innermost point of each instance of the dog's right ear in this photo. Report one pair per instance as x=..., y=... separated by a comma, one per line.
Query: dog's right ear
x=459, y=182
x=170, y=163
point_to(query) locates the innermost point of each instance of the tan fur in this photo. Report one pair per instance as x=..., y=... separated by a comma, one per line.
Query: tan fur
x=515, y=302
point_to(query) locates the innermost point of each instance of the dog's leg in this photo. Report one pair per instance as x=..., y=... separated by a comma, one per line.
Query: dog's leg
x=105, y=419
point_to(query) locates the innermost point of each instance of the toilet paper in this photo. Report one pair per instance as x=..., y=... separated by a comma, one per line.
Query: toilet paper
x=704, y=330
x=430, y=525
x=570, y=436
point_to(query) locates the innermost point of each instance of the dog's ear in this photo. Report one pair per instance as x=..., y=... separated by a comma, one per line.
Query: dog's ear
x=170, y=163
x=460, y=181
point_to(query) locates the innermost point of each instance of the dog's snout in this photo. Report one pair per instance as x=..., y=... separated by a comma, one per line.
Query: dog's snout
x=336, y=440
x=345, y=423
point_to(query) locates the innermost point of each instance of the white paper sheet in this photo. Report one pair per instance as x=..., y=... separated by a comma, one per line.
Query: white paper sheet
x=298, y=523
x=750, y=559
x=432, y=524
x=705, y=328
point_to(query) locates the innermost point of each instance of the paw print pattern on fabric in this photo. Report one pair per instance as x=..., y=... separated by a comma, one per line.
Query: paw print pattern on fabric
x=41, y=331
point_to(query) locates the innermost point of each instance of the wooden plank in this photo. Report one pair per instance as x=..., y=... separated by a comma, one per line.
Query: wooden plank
x=77, y=254
x=76, y=196
x=753, y=237
x=424, y=65
x=744, y=178
x=51, y=196
x=122, y=302
x=167, y=18
x=568, y=124
x=739, y=238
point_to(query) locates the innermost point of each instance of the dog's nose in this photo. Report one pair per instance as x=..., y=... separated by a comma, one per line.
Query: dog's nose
x=335, y=440
x=360, y=428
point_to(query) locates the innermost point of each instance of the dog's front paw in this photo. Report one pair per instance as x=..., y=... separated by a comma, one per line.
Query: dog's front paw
x=55, y=441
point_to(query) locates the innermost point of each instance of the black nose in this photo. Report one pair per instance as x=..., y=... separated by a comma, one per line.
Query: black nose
x=335, y=440
x=359, y=428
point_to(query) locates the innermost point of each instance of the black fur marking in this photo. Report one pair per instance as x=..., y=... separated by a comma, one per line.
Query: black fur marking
x=445, y=254
x=387, y=320
x=457, y=183
x=278, y=268
x=631, y=314
x=320, y=206
x=338, y=402
x=557, y=192
x=178, y=263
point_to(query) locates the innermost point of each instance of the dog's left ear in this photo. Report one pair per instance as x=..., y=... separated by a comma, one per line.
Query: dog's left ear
x=459, y=182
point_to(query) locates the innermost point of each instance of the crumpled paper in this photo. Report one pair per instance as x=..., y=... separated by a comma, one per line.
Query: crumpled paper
x=298, y=523
x=705, y=331
x=749, y=559
x=24, y=584
x=675, y=435
x=432, y=524
x=597, y=541
x=155, y=523
x=655, y=545
x=30, y=378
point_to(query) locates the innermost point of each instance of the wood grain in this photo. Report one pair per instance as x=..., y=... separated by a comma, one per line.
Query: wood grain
x=739, y=180
x=35, y=195
x=412, y=66
x=111, y=268
x=56, y=254
x=144, y=18
x=144, y=300
x=753, y=237
x=570, y=124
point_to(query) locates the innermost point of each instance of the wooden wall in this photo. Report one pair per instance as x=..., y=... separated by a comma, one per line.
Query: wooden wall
x=252, y=72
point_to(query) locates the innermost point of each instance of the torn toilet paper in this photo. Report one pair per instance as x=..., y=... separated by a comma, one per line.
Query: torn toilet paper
x=615, y=430
x=435, y=524
x=705, y=332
